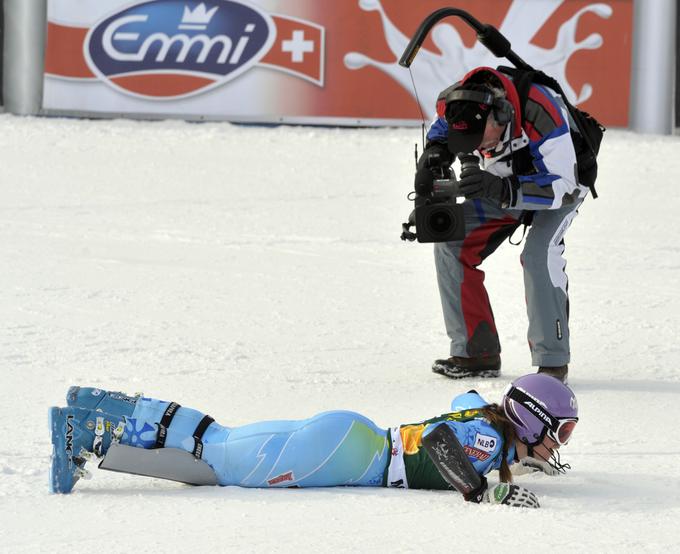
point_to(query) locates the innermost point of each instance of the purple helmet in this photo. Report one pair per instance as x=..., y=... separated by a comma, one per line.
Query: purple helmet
x=539, y=404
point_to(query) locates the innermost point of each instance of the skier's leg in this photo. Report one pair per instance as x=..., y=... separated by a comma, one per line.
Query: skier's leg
x=83, y=431
x=334, y=448
x=151, y=423
x=111, y=402
x=330, y=449
x=546, y=286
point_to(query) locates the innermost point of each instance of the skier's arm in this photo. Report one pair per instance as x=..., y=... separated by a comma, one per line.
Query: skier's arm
x=448, y=456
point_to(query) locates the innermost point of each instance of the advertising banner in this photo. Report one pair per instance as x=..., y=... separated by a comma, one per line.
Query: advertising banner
x=315, y=61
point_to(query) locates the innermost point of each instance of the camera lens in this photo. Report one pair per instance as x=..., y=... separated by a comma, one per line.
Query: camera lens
x=440, y=221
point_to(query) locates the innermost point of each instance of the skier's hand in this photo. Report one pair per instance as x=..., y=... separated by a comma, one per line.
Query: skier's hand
x=479, y=494
x=532, y=465
x=511, y=495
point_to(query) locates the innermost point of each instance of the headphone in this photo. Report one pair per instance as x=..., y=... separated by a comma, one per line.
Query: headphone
x=502, y=108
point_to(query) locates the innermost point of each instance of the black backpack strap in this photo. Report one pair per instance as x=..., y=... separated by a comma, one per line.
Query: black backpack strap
x=522, y=79
x=588, y=132
x=525, y=219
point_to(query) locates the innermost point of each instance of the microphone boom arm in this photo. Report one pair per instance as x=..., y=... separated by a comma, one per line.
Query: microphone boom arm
x=487, y=34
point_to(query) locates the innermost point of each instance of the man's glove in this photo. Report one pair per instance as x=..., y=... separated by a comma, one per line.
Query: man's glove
x=474, y=182
x=437, y=157
x=424, y=181
x=511, y=495
x=532, y=465
x=435, y=163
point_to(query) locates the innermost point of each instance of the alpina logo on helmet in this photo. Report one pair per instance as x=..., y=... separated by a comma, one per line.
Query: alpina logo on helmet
x=532, y=403
x=175, y=48
x=538, y=412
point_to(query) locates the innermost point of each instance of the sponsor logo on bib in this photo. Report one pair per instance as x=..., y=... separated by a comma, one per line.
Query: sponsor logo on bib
x=486, y=443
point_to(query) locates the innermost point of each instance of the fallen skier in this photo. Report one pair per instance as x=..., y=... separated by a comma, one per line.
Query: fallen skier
x=145, y=436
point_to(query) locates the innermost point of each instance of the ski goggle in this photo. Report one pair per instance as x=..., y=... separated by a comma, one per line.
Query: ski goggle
x=562, y=434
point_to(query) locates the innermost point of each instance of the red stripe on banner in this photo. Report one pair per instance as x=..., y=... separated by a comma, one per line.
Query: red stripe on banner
x=64, y=52
x=162, y=85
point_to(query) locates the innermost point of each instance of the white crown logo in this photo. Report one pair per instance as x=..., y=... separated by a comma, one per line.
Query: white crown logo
x=198, y=18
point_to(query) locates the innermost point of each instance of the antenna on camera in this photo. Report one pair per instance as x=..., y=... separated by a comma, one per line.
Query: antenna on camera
x=420, y=108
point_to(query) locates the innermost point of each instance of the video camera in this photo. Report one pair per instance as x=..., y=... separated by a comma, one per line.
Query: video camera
x=437, y=216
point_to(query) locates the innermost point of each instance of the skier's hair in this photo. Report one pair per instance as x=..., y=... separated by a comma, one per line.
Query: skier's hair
x=495, y=415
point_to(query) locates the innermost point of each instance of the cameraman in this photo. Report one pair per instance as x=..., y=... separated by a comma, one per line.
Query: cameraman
x=527, y=175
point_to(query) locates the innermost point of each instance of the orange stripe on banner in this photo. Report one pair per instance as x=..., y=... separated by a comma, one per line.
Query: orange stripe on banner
x=64, y=52
x=161, y=85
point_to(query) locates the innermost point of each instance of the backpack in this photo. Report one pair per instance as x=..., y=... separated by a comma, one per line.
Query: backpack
x=588, y=133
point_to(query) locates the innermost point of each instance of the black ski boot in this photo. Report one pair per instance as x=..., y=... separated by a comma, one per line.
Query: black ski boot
x=560, y=372
x=456, y=367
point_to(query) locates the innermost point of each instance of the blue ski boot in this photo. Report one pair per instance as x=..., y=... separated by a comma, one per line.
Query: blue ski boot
x=79, y=435
x=116, y=403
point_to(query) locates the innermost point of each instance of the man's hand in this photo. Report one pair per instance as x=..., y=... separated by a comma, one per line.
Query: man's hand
x=474, y=182
x=532, y=465
x=438, y=158
x=511, y=495
x=424, y=181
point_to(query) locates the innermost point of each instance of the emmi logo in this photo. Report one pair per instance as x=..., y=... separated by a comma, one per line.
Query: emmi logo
x=173, y=48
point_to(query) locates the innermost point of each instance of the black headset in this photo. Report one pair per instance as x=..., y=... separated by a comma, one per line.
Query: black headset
x=502, y=108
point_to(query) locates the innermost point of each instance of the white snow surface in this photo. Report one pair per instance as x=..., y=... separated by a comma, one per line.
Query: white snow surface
x=257, y=273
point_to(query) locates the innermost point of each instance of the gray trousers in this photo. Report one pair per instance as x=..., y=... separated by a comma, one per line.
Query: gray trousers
x=467, y=311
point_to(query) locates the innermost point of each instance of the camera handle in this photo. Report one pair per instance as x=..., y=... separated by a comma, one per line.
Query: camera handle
x=407, y=234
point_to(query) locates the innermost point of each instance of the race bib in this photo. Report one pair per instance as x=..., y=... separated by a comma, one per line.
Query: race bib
x=396, y=474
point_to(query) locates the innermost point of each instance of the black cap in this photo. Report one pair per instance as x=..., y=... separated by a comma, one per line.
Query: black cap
x=466, y=115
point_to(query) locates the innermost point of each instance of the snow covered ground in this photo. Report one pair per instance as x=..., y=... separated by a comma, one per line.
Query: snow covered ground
x=258, y=273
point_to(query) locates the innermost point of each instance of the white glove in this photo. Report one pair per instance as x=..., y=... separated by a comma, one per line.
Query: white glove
x=532, y=465
x=511, y=495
